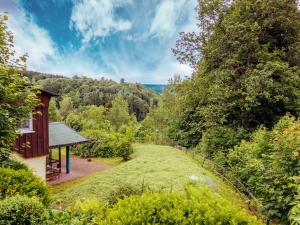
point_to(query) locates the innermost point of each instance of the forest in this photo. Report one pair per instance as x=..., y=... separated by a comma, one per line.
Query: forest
x=239, y=109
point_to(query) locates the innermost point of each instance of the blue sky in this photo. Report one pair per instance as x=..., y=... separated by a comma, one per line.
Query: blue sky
x=116, y=39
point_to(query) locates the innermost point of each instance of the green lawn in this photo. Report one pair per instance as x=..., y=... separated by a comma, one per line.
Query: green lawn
x=161, y=167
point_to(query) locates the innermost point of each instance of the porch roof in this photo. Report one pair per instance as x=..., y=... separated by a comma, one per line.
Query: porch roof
x=62, y=135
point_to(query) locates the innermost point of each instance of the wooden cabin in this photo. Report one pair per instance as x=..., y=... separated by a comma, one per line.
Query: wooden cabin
x=32, y=146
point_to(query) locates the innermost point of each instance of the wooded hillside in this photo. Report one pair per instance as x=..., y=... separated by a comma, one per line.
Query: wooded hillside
x=87, y=91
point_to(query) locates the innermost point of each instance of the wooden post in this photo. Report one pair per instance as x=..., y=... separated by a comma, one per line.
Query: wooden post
x=68, y=160
x=59, y=158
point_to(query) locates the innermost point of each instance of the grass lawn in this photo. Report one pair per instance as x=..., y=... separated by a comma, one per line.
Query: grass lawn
x=161, y=167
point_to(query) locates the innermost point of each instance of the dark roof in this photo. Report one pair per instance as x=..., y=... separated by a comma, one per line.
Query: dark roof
x=49, y=92
x=62, y=135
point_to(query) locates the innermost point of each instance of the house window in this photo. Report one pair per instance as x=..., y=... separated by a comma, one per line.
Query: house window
x=27, y=126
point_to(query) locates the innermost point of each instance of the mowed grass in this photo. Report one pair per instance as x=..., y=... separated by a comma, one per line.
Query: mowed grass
x=160, y=167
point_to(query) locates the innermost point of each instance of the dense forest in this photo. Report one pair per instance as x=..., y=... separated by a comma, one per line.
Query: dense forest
x=85, y=91
x=240, y=109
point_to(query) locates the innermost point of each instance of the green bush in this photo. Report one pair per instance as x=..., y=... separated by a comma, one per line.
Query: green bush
x=220, y=139
x=22, y=210
x=83, y=212
x=124, y=191
x=269, y=165
x=196, y=206
x=124, y=150
x=22, y=182
x=13, y=164
x=104, y=144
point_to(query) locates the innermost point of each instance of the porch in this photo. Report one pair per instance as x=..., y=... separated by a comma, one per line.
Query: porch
x=79, y=168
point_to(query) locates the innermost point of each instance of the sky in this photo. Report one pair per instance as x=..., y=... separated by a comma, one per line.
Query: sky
x=130, y=39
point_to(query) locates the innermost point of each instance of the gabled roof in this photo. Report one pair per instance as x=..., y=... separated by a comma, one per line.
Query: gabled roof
x=62, y=135
x=49, y=92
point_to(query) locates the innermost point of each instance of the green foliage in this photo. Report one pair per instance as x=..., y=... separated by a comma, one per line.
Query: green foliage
x=118, y=114
x=17, y=100
x=22, y=182
x=123, y=191
x=294, y=214
x=54, y=114
x=269, y=165
x=156, y=127
x=66, y=106
x=17, y=97
x=196, y=206
x=220, y=139
x=86, y=91
x=103, y=144
x=22, y=210
x=248, y=73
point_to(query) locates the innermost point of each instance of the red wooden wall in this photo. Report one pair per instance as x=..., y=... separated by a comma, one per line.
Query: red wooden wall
x=36, y=143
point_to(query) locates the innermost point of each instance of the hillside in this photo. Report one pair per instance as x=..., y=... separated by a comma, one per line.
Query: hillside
x=160, y=167
x=87, y=91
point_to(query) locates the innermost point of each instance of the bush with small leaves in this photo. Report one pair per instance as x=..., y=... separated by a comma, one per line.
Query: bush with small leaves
x=195, y=206
x=22, y=210
x=22, y=182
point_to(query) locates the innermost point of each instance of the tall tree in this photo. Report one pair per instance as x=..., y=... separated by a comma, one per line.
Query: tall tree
x=54, y=114
x=66, y=106
x=17, y=97
x=119, y=115
x=248, y=73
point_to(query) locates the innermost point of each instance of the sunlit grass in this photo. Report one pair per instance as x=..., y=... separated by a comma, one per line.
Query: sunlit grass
x=160, y=167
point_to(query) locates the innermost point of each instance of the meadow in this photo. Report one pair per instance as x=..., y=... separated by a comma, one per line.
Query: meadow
x=162, y=168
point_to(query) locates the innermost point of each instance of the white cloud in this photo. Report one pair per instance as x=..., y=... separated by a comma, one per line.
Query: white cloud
x=96, y=18
x=43, y=55
x=164, y=23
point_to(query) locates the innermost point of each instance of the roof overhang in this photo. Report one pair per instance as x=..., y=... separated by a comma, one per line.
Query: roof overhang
x=61, y=135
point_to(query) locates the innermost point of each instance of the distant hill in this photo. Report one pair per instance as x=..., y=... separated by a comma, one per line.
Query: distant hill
x=159, y=88
x=87, y=91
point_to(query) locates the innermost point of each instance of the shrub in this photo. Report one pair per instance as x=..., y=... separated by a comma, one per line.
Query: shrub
x=124, y=191
x=22, y=182
x=124, y=150
x=104, y=144
x=16, y=165
x=294, y=214
x=269, y=165
x=196, y=206
x=22, y=210
x=220, y=139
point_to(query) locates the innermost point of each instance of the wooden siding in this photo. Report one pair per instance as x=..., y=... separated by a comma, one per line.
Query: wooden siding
x=37, y=143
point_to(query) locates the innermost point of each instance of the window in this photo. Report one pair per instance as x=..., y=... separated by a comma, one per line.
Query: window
x=27, y=126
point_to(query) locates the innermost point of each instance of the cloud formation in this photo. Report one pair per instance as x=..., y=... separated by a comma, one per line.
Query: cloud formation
x=97, y=18
x=116, y=39
x=166, y=16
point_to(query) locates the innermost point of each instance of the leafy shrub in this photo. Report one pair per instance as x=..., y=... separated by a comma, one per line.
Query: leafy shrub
x=196, y=206
x=22, y=182
x=124, y=191
x=294, y=214
x=22, y=210
x=104, y=144
x=269, y=165
x=220, y=139
x=16, y=165
x=69, y=217
x=124, y=150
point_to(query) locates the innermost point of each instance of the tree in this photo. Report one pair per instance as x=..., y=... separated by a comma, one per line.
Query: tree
x=54, y=114
x=17, y=96
x=66, y=106
x=7, y=53
x=248, y=73
x=118, y=115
